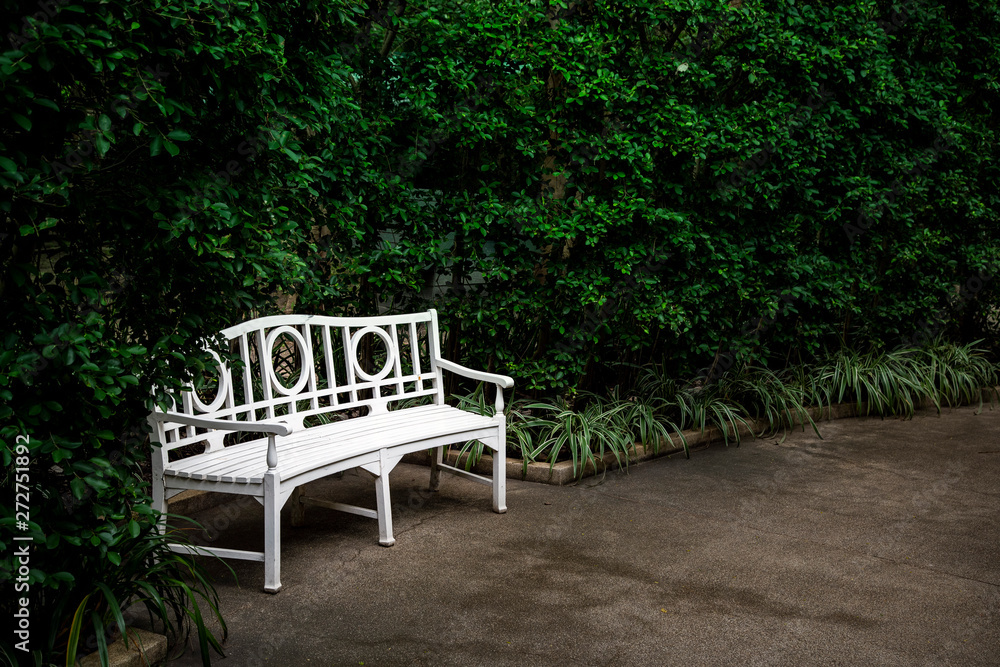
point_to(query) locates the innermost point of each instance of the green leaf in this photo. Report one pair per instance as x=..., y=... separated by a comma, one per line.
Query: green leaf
x=21, y=120
x=179, y=135
x=74, y=631
x=102, y=145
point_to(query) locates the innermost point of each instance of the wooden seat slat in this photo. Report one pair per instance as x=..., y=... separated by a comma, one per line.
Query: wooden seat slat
x=234, y=455
x=311, y=448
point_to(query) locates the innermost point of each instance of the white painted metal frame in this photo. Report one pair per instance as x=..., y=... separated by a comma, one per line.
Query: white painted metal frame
x=273, y=469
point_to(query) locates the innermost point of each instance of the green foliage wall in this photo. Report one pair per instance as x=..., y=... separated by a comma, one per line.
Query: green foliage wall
x=644, y=180
x=572, y=185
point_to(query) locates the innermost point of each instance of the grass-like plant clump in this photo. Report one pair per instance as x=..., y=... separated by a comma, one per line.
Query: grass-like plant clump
x=140, y=573
x=746, y=399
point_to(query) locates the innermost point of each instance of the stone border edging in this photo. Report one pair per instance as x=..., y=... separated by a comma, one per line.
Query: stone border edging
x=153, y=651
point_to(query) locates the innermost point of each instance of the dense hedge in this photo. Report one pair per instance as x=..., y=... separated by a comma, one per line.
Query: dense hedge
x=573, y=186
x=636, y=181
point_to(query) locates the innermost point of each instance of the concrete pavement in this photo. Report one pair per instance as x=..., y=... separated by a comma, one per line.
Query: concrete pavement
x=877, y=545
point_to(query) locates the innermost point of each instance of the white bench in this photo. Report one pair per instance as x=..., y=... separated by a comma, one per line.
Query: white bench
x=294, y=404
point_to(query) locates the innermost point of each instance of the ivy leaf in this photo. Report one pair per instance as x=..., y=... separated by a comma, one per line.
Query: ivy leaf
x=102, y=145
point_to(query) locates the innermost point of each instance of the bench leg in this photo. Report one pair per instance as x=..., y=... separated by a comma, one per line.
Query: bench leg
x=272, y=533
x=159, y=497
x=500, y=474
x=437, y=458
x=385, y=537
x=298, y=507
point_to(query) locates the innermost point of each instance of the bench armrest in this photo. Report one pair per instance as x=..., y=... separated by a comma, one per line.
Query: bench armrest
x=501, y=381
x=271, y=428
x=277, y=428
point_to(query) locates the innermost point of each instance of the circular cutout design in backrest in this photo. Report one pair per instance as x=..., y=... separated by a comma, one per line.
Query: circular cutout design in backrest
x=390, y=353
x=221, y=392
x=268, y=358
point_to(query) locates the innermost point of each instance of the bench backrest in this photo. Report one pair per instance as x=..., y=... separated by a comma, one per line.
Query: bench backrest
x=297, y=367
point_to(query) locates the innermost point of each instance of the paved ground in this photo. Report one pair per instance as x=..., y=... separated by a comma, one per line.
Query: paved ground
x=878, y=545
